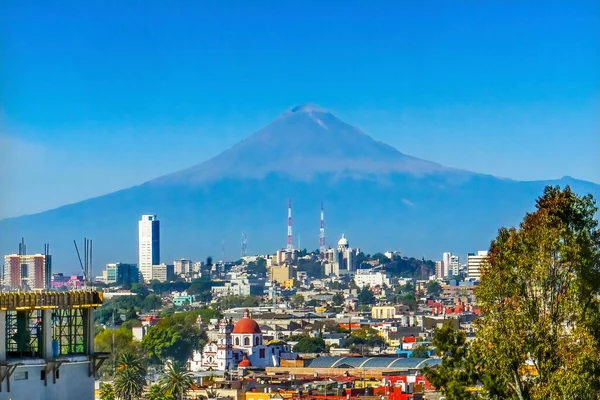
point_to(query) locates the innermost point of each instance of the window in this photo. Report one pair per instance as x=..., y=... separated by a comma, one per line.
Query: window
x=272, y=350
x=237, y=341
x=246, y=341
x=43, y=375
x=21, y=375
x=256, y=341
x=261, y=353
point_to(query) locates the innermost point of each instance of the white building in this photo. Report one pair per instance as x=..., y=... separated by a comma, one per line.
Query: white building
x=184, y=267
x=474, y=262
x=162, y=273
x=238, y=346
x=451, y=265
x=342, y=260
x=149, y=245
x=439, y=270
x=366, y=277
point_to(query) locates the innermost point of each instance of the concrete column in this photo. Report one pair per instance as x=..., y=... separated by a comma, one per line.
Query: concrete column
x=47, y=334
x=2, y=335
x=88, y=330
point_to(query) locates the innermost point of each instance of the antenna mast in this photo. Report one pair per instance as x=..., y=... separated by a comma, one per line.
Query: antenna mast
x=244, y=244
x=322, y=233
x=290, y=243
x=223, y=250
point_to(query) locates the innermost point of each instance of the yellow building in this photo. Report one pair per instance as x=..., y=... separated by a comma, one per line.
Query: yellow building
x=388, y=312
x=291, y=283
x=281, y=273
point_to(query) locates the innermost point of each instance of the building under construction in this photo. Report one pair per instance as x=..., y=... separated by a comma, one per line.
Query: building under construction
x=47, y=345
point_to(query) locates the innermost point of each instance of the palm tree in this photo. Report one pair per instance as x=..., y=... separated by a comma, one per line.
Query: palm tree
x=128, y=360
x=176, y=382
x=130, y=377
x=156, y=392
x=107, y=392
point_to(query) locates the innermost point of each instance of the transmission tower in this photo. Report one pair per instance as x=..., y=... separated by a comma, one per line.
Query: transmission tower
x=244, y=244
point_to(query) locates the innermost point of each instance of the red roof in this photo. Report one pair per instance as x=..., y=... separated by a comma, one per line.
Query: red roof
x=245, y=363
x=246, y=325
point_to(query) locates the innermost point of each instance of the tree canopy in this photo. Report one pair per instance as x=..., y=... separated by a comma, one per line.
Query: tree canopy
x=310, y=345
x=433, y=288
x=174, y=338
x=539, y=334
x=539, y=296
x=365, y=296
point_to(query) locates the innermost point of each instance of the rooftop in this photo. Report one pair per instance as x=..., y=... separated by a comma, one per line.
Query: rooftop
x=372, y=362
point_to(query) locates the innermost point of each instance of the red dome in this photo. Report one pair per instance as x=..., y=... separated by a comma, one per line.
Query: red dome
x=245, y=363
x=246, y=325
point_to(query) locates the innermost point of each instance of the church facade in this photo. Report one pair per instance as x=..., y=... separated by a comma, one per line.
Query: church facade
x=238, y=346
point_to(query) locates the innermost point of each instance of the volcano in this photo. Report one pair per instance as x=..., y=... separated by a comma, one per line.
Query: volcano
x=379, y=197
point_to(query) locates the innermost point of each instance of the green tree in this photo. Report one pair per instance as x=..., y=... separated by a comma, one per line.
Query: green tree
x=365, y=337
x=539, y=297
x=207, y=313
x=174, y=337
x=233, y=301
x=156, y=392
x=338, y=299
x=107, y=392
x=140, y=289
x=176, y=382
x=365, y=296
x=130, y=377
x=258, y=267
x=201, y=288
x=456, y=373
x=310, y=345
x=420, y=352
x=123, y=343
x=151, y=302
x=434, y=288
x=297, y=300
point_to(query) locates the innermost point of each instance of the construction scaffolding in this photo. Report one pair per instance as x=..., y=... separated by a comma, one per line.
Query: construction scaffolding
x=47, y=324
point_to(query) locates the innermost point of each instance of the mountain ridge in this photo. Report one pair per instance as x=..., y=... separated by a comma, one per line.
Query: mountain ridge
x=380, y=197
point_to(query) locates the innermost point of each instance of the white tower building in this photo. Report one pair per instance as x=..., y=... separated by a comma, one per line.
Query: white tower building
x=474, y=262
x=149, y=245
x=225, y=346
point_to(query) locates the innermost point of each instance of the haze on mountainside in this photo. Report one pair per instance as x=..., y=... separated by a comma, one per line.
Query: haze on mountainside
x=379, y=197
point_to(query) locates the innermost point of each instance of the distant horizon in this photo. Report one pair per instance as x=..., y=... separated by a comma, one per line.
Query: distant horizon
x=112, y=94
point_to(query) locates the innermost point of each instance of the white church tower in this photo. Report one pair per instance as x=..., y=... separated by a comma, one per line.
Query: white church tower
x=225, y=346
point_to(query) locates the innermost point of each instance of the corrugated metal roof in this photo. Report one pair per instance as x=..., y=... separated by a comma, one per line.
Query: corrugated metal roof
x=372, y=362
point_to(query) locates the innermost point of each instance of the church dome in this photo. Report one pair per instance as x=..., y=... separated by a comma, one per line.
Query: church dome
x=245, y=363
x=246, y=325
x=343, y=242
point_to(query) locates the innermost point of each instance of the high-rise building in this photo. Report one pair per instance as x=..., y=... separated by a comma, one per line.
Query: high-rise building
x=474, y=262
x=451, y=265
x=120, y=273
x=149, y=245
x=446, y=262
x=162, y=273
x=183, y=267
x=439, y=270
x=27, y=271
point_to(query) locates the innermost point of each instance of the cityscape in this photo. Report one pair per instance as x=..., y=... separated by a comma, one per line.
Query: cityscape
x=300, y=201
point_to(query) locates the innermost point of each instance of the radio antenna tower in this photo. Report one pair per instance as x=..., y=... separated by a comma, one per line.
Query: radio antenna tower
x=290, y=243
x=322, y=233
x=244, y=244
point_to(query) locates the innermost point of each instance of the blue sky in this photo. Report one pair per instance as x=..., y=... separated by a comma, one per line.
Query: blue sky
x=101, y=95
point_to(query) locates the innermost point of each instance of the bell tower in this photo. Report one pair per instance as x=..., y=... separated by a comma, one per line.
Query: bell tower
x=225, y=345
